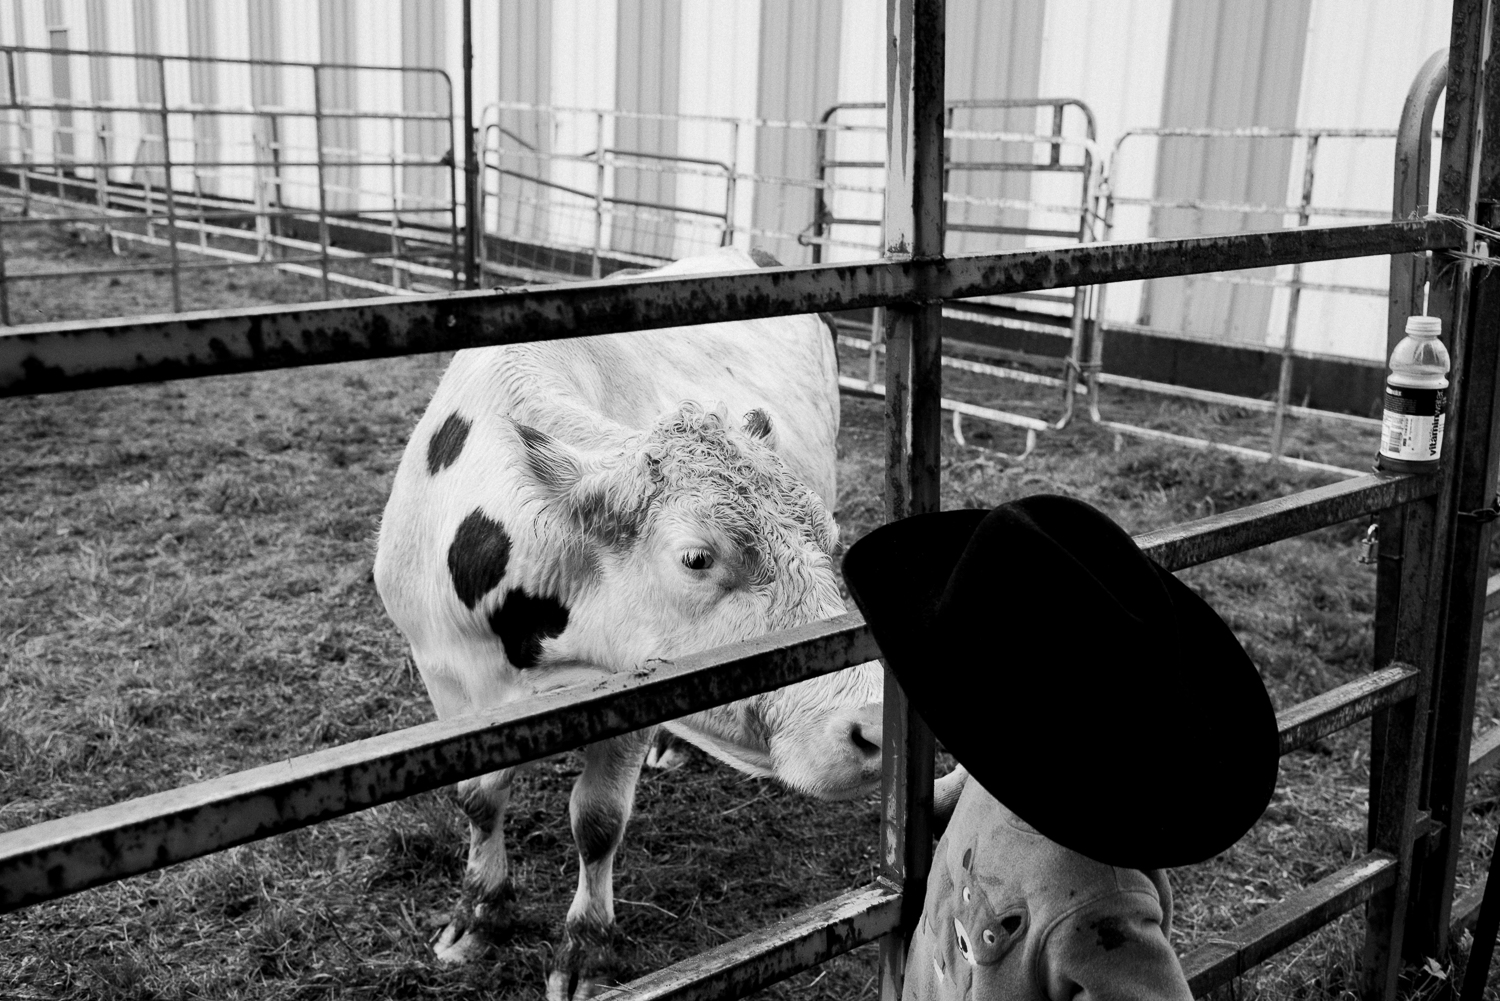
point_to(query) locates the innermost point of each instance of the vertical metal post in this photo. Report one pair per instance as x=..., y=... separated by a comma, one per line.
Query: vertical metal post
x=262, y=204
x=820, y=193
x=322, y=180
x=731, y=184
x=397, y=275
x=913, y=227
x=198, y=194
x=1471, y=109
x=1408, y=591
x=101, y=183
x=473, y=221
x=24, y=130
x=4, y=282
x=598, y=195
x=166, y=160
x=1289, y=339
x=1079, y=328
x=276, y=200
x=1480, y=458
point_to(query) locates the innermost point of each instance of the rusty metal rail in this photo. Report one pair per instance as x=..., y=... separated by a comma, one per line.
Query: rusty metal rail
x=83, y=354
x=795, y=943
x=63, y=856
x=1281, y=924
x=1281, y=518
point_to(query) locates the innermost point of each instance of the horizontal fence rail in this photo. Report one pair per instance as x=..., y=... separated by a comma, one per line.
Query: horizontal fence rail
x=799, y=942
x=84, y=354
x=1219, y=535
x=64, y=856
x=1300, y=914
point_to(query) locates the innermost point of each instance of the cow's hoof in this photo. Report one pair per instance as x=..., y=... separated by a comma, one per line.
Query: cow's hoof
x=479, y=922
x=665, y=758
x=455, y=946
x=665, y=751
x=585, y=964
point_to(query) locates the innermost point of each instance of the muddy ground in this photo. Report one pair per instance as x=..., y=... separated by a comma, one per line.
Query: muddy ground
x=185, y=591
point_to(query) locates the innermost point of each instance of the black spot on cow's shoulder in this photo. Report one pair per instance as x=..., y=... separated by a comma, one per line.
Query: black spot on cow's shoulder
x=523, y=621
x=478, y=556
x=446, y=443
x=763, y=259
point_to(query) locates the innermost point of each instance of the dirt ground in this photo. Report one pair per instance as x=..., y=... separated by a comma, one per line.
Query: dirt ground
x=185, y=591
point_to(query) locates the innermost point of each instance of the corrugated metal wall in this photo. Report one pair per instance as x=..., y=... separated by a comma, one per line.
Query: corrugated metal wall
x=799, y=76
x=646, y=70
x=525, y=52
x=337, y=40
x=424, y=38
x=203, y=86
x=1230, y=63
x=994, y=52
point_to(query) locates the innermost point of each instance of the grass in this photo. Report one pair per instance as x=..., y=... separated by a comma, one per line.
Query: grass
x=185, y=591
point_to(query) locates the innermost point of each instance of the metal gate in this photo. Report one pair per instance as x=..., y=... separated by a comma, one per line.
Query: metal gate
x=279, y=182
x=1435, y=533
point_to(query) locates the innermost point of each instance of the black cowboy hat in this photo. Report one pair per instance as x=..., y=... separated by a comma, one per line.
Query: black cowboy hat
x=1085, y=687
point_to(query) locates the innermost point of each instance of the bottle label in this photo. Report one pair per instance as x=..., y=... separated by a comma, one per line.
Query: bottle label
x=1412, y=428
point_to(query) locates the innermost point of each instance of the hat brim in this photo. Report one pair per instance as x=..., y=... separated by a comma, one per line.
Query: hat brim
x=1028, y=718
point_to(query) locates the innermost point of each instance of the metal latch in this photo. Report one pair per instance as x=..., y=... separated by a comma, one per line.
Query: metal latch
x=1483, y=515
x=1369, y=546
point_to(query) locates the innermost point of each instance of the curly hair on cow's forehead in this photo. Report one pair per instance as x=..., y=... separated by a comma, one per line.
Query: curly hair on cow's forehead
x=744, y=489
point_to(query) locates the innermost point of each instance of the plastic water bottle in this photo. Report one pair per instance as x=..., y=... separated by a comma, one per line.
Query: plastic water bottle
x=1416, y=398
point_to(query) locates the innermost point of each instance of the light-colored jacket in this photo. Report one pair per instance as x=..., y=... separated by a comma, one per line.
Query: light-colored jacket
x=1013, y=916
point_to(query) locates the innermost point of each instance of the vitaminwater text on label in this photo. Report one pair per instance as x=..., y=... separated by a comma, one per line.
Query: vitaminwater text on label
x=1412, y=427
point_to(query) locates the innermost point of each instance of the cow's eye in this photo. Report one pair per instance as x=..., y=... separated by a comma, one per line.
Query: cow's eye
x=697, y=559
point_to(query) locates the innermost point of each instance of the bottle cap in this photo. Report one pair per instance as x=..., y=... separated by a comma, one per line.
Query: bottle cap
x=1430, y=326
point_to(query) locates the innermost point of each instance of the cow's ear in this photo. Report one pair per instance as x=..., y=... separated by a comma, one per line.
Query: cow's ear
x=553, y=464
x=758, y=425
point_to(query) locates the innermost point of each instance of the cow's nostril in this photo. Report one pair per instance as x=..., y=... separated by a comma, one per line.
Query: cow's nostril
x=866, y=738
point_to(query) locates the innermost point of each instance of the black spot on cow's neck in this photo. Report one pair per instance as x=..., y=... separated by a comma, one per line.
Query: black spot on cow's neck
x=477, y=556
x=446, y=443
x=523, y=621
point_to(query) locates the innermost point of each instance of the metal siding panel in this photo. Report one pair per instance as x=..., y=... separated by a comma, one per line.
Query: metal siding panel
x=423, y=30
x=203, y=87
x=793, y=37
x=718, y=70
x=1232, y=63
x=525, y=48
x=336, y=44
x=648, y=33
x=97, y=25
x=147, y=91
x=264, y=18
x=1002, y=59
x=1357, y=66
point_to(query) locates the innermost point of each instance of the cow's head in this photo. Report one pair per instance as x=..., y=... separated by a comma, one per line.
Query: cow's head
x=693, y=535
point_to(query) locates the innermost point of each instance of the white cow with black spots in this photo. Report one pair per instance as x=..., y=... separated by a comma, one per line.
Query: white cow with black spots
x=579, y=506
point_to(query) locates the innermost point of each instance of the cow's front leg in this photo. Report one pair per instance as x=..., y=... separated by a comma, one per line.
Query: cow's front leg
x=599, y=809
x=482, y=914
